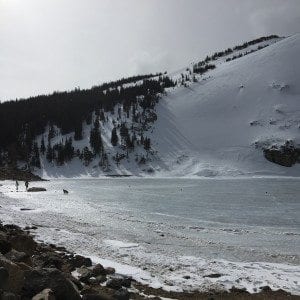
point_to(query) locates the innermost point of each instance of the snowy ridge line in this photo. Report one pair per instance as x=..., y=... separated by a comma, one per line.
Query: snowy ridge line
x=217, y=124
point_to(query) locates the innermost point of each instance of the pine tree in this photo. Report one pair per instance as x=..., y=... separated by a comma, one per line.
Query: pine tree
x=78, y=131
x=51, y=133
x=147, y=144
x=35, y=159
x=95, y=138
x=43, y=148
x=49, y=153
x=114, y=137
x=87, y=156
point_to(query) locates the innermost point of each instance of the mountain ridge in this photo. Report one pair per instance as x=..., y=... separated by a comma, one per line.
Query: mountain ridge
x=227, y=115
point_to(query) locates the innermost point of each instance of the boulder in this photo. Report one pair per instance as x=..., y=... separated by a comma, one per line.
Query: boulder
x=48, y=260
x=98, y=270
x=110, y=270
x=46, y=294
x=122, y=294
x=85, y=274
x=78, y=261
x=286, y=155
x=5, y=245
x=17, y=257
x=118, y=281
x=36, y=189
x=15, y=280
x=40, y=279
x=23, y=243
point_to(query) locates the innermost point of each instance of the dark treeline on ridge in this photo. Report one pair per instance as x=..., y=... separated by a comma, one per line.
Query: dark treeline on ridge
x=21, y=121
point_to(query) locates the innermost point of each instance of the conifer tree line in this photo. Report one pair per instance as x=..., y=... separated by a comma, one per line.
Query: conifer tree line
x=21, y=121
x=203, y=66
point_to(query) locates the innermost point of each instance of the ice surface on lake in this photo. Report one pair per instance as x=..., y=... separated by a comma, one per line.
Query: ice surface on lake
x=159, y=230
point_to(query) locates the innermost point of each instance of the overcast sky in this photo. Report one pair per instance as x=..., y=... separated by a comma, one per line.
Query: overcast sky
x=48, y=45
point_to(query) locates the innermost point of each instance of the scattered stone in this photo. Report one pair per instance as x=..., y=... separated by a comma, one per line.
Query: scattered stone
x=122, y=294
x=98, y=270
x=118, y=281
x=36, y=189
x=79, y=261
x=87, y=290
x=12, y=227
x=238, y=291
x=48, y=260
x=30, y=228
x=25, y=209
x=46, y=294
x=40, y=279
x=76, y=282
x=23, y=243
x=215, y=275
x=85, y=274
x=101, y=279
x=15, y=280
x=265, y=288
x=5, y=245
x=110, y=271
x=17, y=257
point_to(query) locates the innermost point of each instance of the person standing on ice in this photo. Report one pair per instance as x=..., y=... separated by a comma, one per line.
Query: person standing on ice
x=26, y=184
x=17, y=185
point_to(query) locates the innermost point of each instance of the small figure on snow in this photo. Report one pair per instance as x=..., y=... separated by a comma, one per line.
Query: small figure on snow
x=26, y=184
x=17, y=185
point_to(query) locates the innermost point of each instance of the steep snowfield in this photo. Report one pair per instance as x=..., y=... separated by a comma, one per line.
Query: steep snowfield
x=217, y=125
x=205, y=129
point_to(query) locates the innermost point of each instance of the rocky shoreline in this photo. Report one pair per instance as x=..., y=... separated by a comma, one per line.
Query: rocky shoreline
x=38, y=271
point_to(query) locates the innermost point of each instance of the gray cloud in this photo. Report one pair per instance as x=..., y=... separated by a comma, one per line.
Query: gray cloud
x=59, y=44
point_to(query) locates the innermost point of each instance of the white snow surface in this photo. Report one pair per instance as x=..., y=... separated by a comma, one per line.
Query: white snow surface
x=204, y=128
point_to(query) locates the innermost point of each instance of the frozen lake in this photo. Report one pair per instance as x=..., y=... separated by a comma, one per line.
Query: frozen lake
x=248, y=230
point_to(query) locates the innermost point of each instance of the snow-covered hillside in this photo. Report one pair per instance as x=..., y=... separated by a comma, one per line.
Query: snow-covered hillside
x=218, y=123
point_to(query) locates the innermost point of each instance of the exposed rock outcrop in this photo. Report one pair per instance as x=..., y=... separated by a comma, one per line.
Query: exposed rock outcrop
x=286, y=155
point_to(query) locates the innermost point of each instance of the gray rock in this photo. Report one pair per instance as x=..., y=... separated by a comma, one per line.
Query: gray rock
x=48, y=260
x=78, y=261
x=118, y=281
x=5, y=245
x=85, y=274
x=46, y=294
x=17, y=257
x=36, y=189
x=122, y=294
x=15, y=280
x=40, y=279
x=110, y=270
x=23, y=243
x=98, y=270
x=287, y=155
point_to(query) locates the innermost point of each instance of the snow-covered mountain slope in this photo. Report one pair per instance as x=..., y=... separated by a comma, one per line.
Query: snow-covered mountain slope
x=214, y=124
x=217, y=126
